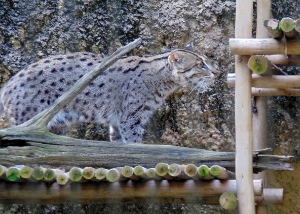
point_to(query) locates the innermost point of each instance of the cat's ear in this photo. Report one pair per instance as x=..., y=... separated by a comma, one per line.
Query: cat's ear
x=175, y=57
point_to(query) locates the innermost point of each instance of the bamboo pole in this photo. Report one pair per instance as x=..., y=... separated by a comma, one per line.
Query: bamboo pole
x=293, y=60
x=274, y=81
x=228, y=201
x=189, y=191
x=243, y=110
x=267, y=92
x=259, y=119
x=243, y=46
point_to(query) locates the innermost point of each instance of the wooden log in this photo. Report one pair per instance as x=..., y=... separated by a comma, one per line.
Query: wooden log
x=243, y=112
x=242, y=46
x=108, y=155
x=272, y=25
x=189, y=191
x=287, y=25
x=274, y=81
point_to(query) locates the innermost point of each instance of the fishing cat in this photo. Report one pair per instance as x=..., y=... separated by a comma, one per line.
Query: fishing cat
x=124, y=96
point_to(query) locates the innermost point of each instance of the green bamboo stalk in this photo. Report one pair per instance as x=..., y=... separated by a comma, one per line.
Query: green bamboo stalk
x=38, y=173
x=88, y=173
x=26, y=172
x=287, y=25
x=100, y=173
x=63, y=178
x=203, y=172
x=76, y=174
x=273, y=28
x=228, y=201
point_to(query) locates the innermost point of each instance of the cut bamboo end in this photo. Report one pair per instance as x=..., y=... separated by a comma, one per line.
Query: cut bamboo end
x=114, y=175
x=219, y=172
x=174, y=169
x=272, y=26
x=127, y=171
x=151, y=173
x=191, y=170
x=287, y=25
x=88, y=173
x=26, y=172
x=75, y=174
x=13, y=174
x=139, y=171
x=38, y=173
x=100, y=173
x=228, y=201
x=259, y=64
x=63, y=179
x=204, y=173
x=162, y=169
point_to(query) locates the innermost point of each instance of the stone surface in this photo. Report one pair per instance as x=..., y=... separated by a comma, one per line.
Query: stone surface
x=30, y=30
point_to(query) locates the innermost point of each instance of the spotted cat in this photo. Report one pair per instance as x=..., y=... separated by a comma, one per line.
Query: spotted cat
x=124, y=96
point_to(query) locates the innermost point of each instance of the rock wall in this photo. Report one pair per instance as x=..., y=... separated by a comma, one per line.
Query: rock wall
x=30, y=30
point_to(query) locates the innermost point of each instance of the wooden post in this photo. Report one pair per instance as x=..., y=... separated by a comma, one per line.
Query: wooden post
x=243, y=112
x=259, y=118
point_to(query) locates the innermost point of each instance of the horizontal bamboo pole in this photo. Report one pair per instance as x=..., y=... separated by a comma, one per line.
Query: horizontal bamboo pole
x=271, y=196
x=155, y=191
x=278, y=59
x=274, y=81
x=267, y=92
x=263, y=47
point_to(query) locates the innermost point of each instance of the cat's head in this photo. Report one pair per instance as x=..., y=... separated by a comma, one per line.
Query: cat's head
x=191, y=69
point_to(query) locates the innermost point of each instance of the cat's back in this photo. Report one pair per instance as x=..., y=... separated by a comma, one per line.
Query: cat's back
x=38, y=85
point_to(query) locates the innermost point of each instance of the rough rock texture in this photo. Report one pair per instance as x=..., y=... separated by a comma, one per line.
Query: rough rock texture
x=30, y=30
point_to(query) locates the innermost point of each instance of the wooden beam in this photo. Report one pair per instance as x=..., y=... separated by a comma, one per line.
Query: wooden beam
x=243, y=112
x=164, y=191
x=242, y=46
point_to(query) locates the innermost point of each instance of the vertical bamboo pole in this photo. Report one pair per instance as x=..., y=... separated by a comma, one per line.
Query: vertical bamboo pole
x=259, y=119
x=243, y=112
